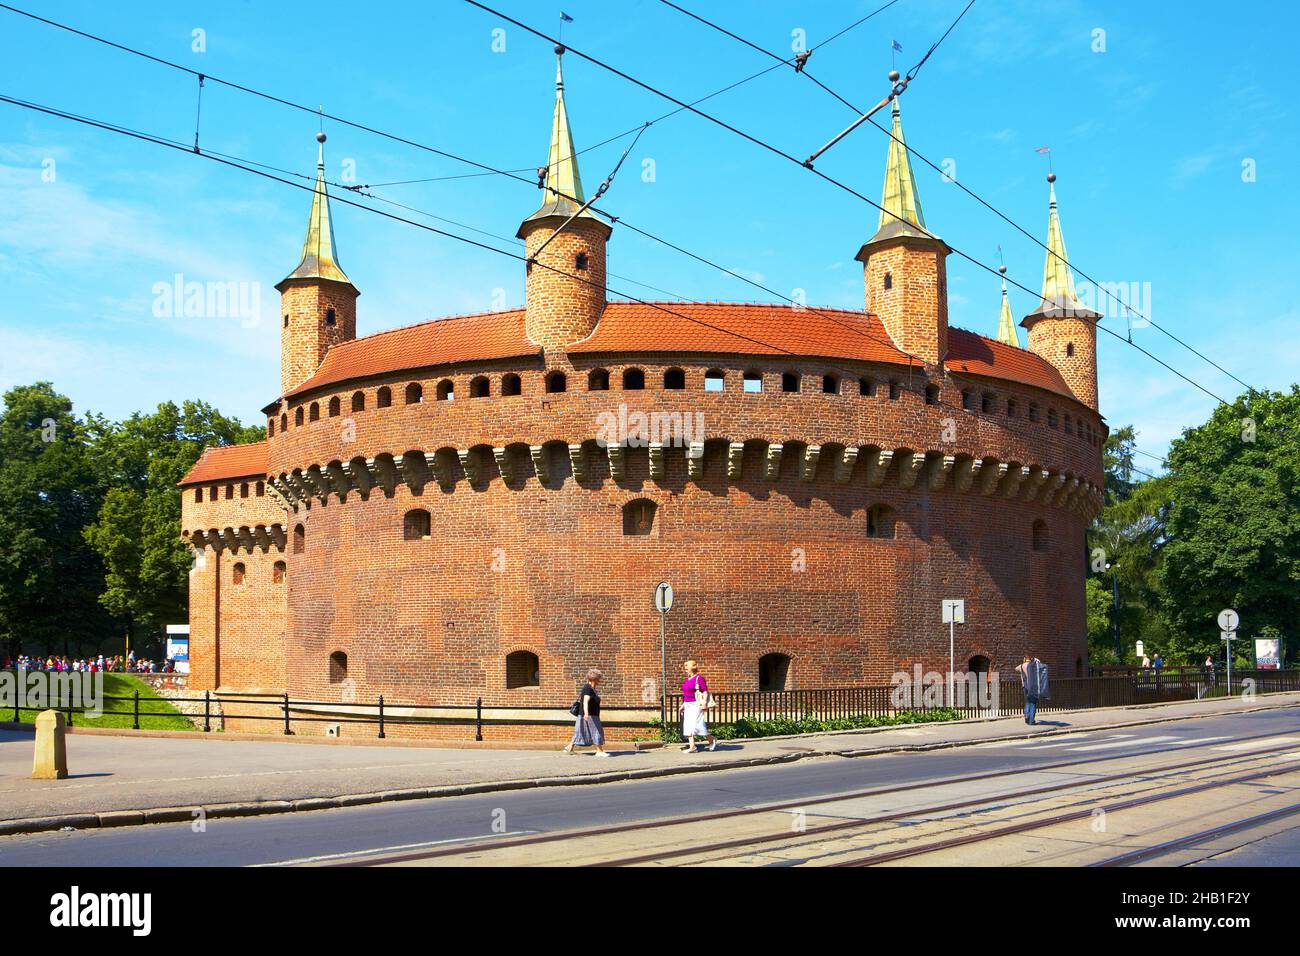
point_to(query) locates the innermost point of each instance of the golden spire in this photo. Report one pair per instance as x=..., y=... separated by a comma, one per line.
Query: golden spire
x=563, y=183
x=1058, y=278
x=318, y=260
x=1007, y=333
x=899, y=198
x=562, y=188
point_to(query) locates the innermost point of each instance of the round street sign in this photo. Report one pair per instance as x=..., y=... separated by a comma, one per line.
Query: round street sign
x=1228, y=619
x=664, y=597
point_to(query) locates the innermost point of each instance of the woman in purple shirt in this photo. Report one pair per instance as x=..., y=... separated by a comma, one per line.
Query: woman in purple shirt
x=695, y=699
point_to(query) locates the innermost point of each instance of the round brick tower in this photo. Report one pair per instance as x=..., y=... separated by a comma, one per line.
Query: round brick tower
x=564, y=243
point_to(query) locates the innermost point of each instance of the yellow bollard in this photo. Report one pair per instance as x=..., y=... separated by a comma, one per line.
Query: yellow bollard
x=51, y=762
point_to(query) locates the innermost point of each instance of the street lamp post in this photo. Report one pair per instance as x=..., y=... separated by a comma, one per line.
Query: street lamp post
x=1119, y=648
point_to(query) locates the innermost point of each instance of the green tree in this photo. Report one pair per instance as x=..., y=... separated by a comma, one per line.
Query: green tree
x=49, y=490
x=1125, y=542
x=1233, y=524
x=136, y=530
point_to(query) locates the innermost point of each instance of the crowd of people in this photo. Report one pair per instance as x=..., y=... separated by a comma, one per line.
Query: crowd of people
x=113, y=664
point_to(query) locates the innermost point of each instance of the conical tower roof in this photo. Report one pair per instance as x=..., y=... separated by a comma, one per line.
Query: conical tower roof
x=562, y=192
x=1007, y=333
x=900, y=202
x=318, y=249
x=1058, y=278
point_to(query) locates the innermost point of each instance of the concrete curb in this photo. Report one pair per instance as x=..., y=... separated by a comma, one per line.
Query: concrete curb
x=118, y=818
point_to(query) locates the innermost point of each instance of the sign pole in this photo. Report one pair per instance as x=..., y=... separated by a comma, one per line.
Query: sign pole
x=663, y=669
x=663, y=604
x=954, y=613
x=1229, y=621
x=951, y=663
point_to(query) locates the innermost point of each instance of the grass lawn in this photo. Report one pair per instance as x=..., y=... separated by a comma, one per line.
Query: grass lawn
x=156, y=713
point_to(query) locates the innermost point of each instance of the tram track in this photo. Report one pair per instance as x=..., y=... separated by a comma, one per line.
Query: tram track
x=484, y=851
x=1068, y=816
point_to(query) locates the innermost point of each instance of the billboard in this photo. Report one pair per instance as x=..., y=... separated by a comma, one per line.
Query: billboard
x=1268, y=653
x=178, y=647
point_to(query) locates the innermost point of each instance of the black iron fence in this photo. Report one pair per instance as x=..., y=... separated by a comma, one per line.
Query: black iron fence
x=210, y=711
x=973, y=697
x=977, y=696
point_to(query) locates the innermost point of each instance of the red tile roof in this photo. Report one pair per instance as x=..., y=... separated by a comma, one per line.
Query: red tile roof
x=465, y=338
x=747, y=328
x=968, y=352
x=757, y=329
x=228, y=461
x=699, y=327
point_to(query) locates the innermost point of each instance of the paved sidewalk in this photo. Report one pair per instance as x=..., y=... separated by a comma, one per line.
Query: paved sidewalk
x=122, y=780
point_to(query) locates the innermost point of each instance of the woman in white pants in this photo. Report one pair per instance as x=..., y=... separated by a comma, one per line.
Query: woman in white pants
x=695, y=698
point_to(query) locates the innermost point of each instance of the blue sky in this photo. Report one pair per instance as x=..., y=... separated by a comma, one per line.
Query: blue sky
x=1148, y=138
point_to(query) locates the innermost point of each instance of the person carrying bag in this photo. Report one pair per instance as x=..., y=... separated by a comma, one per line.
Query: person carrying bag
x=695, y=701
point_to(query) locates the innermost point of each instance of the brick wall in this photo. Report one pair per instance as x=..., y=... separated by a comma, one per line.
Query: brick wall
x=760, y=566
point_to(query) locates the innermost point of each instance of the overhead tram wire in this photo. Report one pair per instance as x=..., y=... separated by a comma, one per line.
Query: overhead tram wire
x=188, y=150
x=320, y=114
x=962, y=186
x=510, y=173
x=789, y=61
x=855, y=109
x=239, y=164
x=763, y=144
x=492, y=170
x=488, y=170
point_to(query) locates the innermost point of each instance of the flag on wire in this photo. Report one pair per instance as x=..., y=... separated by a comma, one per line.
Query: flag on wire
x=565, y=17
x=1043, y=149
x=898, y=46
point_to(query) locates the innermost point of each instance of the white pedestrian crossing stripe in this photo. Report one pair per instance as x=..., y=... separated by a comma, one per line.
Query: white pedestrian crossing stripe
x=1257, y=744
x=1131, y=741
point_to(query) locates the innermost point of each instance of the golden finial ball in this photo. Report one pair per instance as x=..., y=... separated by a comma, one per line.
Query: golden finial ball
x=893, y=76
x=1051, y=177
x=320, y=137
x=1002, y=269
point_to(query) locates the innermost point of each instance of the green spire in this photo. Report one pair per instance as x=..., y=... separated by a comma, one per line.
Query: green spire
x=1058, y=278
x=1007, y=333
x=562, y=169
x=899, y=197
x=563, y=184
x=318, y=261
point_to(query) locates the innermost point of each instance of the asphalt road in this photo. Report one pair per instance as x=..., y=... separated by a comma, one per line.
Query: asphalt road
x=321, y=835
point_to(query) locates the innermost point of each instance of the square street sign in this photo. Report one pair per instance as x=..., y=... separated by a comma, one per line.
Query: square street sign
x=954, y=612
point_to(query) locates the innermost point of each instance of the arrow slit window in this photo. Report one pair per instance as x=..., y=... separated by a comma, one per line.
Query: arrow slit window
x=881, y=522
x=639, y=517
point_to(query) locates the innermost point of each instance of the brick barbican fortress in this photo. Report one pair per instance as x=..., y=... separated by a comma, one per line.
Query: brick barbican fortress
x=481, y=506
